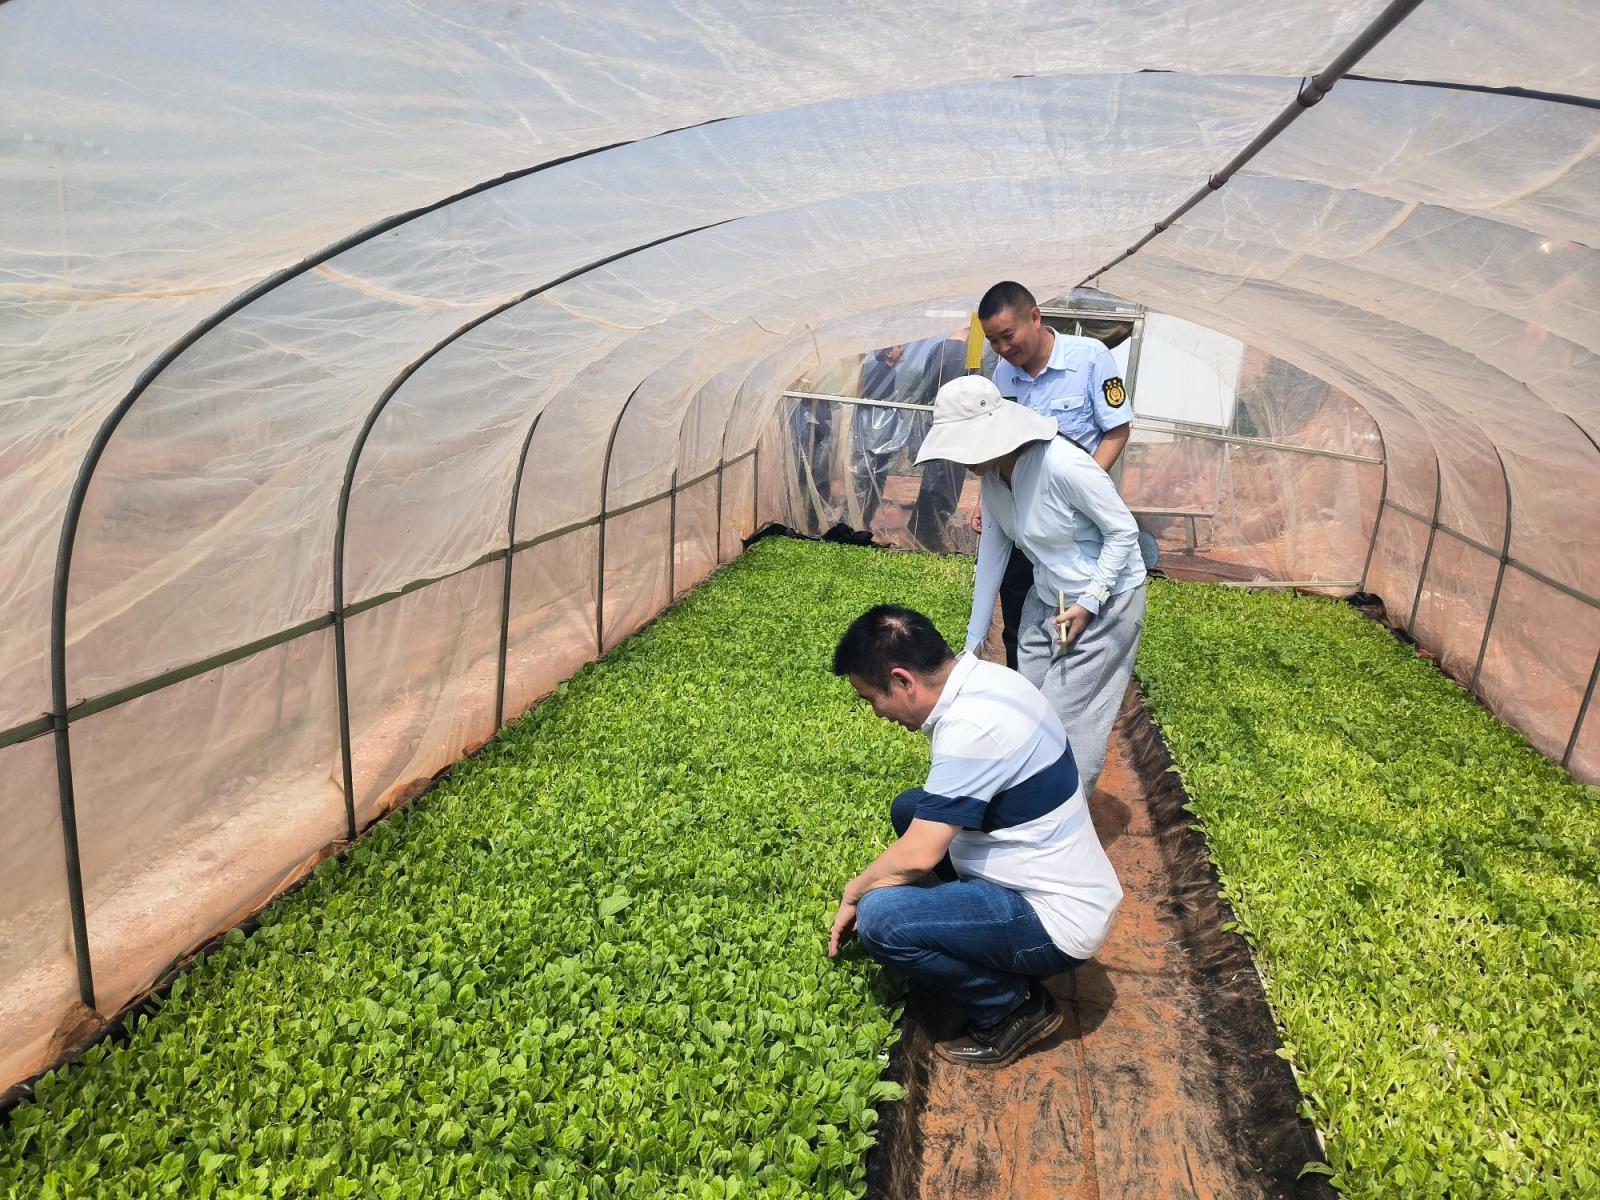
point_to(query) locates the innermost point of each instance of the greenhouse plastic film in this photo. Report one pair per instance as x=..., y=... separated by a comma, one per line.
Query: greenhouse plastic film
x=637, y=550
x=1397, y=556
x=1540, y=655
x=695, y=548
x=738, y=507
x=199, y=802
x=39, y=1006
x=1455, y=605
x=551, y=632
x=422, y=685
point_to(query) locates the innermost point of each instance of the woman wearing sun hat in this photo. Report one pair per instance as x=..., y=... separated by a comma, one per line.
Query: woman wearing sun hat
x=1046, y=496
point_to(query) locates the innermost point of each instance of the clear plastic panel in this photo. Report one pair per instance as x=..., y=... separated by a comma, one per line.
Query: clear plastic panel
x=1555, y=486
x=1455, y=605
x=552, y=616
x=1396, y=563
x=695, y=550
x=738, y=507
x=197, y=803
x=1298, y=517
x=637, y=547
x=422, y=675
x=1541, y=653
x=39, y=1007
x=771, y=480
x=705, y=424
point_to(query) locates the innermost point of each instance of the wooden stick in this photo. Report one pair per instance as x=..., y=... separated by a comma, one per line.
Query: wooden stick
x=1061, y=630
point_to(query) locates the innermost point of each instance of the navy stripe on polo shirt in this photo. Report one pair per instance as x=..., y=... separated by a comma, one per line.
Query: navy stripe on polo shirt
x=1041, y=793
x=1001, y=771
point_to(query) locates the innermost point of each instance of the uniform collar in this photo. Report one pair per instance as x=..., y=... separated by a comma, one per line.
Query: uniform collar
x=952, y=686
x=1060, y=359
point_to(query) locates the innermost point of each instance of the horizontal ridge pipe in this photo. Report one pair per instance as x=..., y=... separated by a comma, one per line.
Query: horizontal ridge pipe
x=1310, y=94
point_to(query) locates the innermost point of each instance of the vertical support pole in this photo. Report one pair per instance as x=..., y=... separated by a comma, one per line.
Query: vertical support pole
x=1499, y=580
x=511, y=550
x=1137, y=338
x=1583, y=709
x=672, y=539
x=605, y=499
x=1433, y=533
x=720, y=468
x=1383, y=500
x=341, y=674
x=69, y=838
x=755, y=488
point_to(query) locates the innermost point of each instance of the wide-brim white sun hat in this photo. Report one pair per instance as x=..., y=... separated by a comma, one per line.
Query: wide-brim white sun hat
x=974, y=423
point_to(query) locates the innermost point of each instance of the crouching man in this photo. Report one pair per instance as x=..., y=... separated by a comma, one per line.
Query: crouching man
x=997, y=878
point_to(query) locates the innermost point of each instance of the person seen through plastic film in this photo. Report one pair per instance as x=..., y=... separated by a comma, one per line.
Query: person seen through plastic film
x=939, y=490
x=1046, y=496
x=1074, y=381
x=877, y=435
x=997, y=878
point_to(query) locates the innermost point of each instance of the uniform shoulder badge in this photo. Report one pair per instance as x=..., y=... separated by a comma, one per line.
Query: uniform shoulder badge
x=1114, y=392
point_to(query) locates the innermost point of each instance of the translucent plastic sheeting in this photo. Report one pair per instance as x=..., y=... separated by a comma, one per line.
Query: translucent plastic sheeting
x=695, y=536
x=1473, y=497
x=1187, y=372
x=1540, y=656
x=197, y=803
x=283, y=385
x=39, y=1003
x=738, y=507
x=422, y=685
x=706, y=422
x=638, y=548
x=551, y=633
x=1455, y=605
x=1397, y=564
x=826, y=479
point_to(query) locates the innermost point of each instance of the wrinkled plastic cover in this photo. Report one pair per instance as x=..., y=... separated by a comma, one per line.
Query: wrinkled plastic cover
x=843, y=178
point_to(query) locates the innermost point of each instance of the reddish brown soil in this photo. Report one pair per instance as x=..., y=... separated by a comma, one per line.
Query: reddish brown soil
x=1162, y=1082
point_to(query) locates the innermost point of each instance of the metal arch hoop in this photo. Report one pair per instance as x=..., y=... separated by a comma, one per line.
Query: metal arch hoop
x=340, y=663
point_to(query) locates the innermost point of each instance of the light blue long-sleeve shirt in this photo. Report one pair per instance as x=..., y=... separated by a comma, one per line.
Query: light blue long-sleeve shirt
x=1064, y=513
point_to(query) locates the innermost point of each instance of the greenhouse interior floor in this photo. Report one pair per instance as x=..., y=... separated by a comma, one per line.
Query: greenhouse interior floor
x=1164, y=1082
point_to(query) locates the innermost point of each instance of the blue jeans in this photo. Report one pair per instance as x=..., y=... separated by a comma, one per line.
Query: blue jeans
x=976, y=943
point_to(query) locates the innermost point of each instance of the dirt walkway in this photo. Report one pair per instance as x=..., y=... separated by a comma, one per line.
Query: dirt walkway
x=1163, y=1081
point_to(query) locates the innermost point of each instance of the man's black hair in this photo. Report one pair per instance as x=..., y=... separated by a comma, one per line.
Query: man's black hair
x=1003, y=296
x=886, y=637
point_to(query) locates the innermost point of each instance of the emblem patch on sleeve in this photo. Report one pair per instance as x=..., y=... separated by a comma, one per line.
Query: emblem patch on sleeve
x=1114, y=392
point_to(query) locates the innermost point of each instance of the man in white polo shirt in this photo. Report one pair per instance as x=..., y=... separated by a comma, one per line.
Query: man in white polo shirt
x=997, y=877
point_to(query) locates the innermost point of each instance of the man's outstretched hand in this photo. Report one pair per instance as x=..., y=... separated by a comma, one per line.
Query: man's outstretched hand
x=844, y=927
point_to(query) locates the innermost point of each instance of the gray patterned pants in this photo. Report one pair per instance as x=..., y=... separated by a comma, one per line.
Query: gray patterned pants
x=1084, y=684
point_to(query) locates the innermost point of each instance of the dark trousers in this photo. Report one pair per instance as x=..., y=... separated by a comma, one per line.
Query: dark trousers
x=976, y=943
x=1014, y=585
x=937, y=497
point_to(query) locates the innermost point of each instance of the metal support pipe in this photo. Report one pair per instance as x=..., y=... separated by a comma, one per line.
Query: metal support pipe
x=672, y=539
x=605, y=491
x=1583, y=709
x=511, y=551
x=1433, y=533
x=340, y=658
x=1377, y=520
x=1499, y=577
x=1311, y=93
x=69, y=838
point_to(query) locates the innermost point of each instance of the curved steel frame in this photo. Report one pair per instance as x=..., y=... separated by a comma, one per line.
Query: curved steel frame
x=340, y=666
x=62, y=713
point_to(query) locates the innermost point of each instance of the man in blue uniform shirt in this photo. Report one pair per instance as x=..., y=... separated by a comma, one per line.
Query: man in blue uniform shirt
x=1073, y=380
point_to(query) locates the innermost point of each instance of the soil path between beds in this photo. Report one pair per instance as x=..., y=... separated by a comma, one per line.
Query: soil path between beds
x=1162, y=1082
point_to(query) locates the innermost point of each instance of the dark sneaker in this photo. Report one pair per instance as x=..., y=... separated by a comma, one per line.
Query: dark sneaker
x=1036, y=1020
